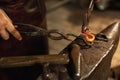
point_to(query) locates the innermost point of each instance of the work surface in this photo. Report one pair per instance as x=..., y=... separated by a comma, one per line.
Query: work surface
x=68, y=19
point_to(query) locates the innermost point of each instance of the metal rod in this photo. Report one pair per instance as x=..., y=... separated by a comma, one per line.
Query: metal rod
x=21, y=61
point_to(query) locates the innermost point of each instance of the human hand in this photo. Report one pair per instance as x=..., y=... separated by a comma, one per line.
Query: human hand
x=7, y=27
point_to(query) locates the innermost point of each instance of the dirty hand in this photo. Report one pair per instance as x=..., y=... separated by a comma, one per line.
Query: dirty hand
x=7, y=27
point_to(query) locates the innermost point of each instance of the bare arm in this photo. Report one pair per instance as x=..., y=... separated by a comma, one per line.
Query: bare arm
x=7, y=26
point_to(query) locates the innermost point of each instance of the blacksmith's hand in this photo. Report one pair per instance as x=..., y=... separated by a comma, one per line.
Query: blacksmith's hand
x=7, y=27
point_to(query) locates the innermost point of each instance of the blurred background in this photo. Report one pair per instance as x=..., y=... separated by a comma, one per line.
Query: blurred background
x=67, y=16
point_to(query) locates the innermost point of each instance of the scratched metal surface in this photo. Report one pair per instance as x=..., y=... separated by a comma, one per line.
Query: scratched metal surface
x=93, y=59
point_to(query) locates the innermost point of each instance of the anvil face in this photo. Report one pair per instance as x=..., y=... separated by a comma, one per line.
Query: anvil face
x=93, y=63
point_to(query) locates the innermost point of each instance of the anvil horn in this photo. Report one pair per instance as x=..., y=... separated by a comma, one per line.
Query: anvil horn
x=112, y=31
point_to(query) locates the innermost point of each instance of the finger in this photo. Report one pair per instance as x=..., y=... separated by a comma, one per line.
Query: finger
x=4, y=34
x=13, y=31
x=5, y=15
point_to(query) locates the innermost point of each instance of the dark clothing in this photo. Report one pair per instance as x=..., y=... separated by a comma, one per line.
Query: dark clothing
x=26, y=11
x=30, y=12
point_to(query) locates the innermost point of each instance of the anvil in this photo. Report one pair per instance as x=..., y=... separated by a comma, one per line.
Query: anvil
x=93, y=63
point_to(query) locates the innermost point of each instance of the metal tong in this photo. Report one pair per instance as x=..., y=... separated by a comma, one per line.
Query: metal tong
x=85, y=30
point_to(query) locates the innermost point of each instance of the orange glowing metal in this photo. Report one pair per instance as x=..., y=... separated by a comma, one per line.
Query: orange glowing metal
x=89, y=36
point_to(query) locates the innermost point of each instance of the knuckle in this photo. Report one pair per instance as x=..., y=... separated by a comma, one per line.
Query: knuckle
x=13, y=31
x=3, y=23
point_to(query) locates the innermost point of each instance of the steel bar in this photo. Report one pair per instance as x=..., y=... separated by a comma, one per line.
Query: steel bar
x=21, y=61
